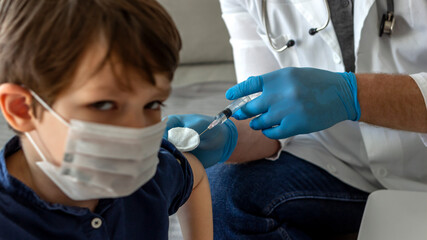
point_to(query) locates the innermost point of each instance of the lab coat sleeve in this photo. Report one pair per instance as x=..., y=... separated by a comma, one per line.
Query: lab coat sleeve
x=251, y=55
x=421, y=80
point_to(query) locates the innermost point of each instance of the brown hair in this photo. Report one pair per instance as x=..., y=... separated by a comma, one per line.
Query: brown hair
x=42, y=41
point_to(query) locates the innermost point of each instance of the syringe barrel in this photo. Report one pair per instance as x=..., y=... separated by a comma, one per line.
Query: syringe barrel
x=239, y=103
x=221, y=117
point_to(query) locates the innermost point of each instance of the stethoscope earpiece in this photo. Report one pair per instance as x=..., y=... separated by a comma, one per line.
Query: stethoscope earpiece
x=290, y=43
x=312, y=31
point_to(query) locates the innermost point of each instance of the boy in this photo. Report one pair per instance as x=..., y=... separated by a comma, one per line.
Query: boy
x=82, y=84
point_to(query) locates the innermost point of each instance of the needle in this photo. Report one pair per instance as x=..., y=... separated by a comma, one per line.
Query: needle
x=203, y=132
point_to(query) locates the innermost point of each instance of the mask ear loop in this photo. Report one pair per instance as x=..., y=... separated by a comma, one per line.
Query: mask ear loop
x=47, y=107
x=56, y=115
x=36, y=147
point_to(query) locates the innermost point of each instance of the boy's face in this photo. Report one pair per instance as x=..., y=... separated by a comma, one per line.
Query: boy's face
x=99, y=98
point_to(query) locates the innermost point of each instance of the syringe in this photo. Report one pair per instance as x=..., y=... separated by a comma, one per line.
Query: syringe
x=225, y=114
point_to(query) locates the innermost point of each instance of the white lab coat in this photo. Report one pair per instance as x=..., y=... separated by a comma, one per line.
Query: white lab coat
x=364, y=156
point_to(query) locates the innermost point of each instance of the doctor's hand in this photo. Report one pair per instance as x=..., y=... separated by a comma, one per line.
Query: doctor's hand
x=297, y=101
x=216, y=144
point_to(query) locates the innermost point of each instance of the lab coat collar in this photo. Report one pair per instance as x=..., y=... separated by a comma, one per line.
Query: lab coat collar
x=361, y=10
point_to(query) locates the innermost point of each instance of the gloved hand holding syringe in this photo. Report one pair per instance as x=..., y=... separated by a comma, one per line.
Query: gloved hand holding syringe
x=225, y=114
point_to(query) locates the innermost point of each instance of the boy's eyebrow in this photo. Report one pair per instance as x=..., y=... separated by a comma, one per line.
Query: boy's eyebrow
x=111, y=90
x=164, y=93
x=103, y=88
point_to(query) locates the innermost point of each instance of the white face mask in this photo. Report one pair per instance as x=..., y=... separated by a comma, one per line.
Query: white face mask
x=102, y=161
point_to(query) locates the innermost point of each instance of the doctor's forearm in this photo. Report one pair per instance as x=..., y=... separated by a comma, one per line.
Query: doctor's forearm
x=252, y=145
x=392, y=101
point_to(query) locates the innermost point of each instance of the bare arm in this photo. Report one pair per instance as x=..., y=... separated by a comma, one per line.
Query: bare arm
x=195, y=216
x=392, y=101
x=251, y=145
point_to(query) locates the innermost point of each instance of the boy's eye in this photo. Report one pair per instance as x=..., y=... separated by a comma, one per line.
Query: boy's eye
x=155, y=105
x=103, y=105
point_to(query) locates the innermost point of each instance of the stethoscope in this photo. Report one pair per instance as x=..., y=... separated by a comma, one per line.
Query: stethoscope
x=386, y=24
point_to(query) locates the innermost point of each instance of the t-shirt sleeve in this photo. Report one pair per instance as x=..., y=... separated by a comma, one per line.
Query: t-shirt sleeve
x=176, y=178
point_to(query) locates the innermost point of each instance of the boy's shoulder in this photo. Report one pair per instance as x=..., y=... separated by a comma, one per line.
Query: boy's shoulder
x=168, y=151
x=173, y=180
x=173, y=164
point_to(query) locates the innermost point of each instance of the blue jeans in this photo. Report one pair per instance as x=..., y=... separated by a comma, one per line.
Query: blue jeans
x=285, y=199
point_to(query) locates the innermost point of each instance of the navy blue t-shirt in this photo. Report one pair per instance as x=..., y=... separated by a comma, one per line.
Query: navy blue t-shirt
x=142, y=215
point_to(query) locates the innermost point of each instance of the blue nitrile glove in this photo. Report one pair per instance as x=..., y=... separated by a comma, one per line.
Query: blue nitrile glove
x=297, y=101
x=216, y=144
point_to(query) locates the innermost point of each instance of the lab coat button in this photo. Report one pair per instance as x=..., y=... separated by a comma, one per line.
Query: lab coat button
x=382, y=172
x=331, y=168
x=96, y=223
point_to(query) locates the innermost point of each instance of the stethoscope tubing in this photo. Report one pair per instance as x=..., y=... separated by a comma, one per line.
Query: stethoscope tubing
x=386, y=26
x=291, y=42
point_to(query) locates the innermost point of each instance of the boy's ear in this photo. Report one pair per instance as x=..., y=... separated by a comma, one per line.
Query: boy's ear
x=15, y=102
